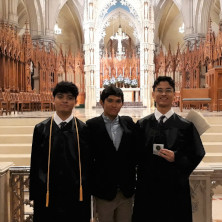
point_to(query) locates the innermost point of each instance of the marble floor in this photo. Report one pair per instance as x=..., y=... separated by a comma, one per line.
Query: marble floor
x=135, y=113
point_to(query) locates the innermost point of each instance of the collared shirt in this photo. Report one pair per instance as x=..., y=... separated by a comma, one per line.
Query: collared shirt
x=114, y=130
x=58, y=120
x=167, y=115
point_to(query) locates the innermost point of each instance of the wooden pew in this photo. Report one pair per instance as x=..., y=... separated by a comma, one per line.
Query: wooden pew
x=4, y=102
x=195, y=96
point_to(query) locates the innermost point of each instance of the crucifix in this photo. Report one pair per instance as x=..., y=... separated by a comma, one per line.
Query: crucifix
x=120, y=35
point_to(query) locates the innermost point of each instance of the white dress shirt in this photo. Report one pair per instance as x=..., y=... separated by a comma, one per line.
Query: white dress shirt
x=58, y=120
x=167, y=115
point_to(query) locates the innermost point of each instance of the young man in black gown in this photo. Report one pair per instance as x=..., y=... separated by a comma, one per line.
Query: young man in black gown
x=170, y=149
x=60, y=163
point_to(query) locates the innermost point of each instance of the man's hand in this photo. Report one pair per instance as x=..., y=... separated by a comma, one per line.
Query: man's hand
x=167, y=155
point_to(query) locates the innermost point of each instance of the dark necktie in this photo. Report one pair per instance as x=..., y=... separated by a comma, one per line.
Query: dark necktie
x=161, y=120
x=160, y=136
x=62, y=125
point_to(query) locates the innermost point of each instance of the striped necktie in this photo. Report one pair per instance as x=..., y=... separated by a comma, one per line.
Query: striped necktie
x=161, y=120
x=62, y=125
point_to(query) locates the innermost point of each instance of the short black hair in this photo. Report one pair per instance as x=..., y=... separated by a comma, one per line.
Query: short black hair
x=66, y=87
x=111, y=91
x=164, y=79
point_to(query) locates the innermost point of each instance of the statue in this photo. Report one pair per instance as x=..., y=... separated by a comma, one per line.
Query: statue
x=120, y=35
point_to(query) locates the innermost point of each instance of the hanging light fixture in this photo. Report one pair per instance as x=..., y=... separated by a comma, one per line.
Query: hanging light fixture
x=181, y=28
x=57, y=30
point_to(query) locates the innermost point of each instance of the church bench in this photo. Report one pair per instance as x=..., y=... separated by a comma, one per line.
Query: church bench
x=195, y=96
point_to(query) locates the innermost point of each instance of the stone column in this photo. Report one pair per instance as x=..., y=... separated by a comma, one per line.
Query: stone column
x=220, y=22
x=192, y=35
x=146, y=57
x=46, y=36
x=8, y=11
x=4, y=191
x=200, y=188
x=90, y=58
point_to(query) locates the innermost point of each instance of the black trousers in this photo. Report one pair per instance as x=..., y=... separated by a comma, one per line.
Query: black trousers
x=79, y=212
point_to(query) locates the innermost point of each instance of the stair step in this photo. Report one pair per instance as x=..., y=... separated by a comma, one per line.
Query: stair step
x=211, y=137
x=213, y=147
x=15, y=138
x=16, y=129
x=19, y=148
x=212, y=157
x=20, y=121
x=17, y=159
x=214, y=120
x=215, y=128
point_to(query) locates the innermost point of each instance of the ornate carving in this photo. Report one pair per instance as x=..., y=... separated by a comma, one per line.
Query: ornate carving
x=16, y=55
x=195, y=187
x=127, y=68
x=19, y=181
x=202, y=55
x=105, y=9
x=19, y=178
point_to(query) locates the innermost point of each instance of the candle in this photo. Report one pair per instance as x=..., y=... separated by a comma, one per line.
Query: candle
x=116, y=71
x=123, y=71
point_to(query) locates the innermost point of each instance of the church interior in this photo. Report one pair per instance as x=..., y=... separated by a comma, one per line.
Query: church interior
x=96, y=43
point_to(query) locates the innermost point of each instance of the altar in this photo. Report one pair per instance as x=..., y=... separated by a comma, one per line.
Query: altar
x=130, y=94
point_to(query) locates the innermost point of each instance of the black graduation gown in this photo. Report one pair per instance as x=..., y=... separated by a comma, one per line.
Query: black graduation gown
x=163, y=192
x=64, y=204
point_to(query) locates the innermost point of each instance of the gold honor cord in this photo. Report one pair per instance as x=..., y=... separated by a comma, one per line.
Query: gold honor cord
x=80, y=168
x=50, y=140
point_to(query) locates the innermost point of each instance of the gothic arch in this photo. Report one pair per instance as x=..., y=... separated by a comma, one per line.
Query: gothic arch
x=69, y=20
x=77, y=19
x=203, y=17
x=32, y=17
x=75, y=8
x=159, y=4
x=215, y=16
x=168, y=17
x=23, y=17
x=103, y=7
x=129, y=19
